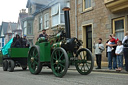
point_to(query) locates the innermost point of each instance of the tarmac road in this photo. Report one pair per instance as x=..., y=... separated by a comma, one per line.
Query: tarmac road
x=46, y=77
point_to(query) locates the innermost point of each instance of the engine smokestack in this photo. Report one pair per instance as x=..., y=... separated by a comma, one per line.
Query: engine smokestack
x=67, y=21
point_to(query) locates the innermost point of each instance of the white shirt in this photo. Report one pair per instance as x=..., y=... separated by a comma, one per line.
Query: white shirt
x=125, y=38
x=109, y=49
x=119, y=49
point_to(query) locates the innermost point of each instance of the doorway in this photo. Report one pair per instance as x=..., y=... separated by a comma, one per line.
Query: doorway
x=89, y=37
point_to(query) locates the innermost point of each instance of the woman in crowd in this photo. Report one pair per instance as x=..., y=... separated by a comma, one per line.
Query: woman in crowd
x=125, y=50
x=111, y=53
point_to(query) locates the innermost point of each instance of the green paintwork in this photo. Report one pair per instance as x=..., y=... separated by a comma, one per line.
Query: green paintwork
x=55, y=45
x=45, y=52
x=41, y=39
x=18, y=52
x=58, y=35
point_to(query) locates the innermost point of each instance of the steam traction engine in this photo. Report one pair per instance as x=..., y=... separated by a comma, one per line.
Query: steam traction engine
x=59, y=52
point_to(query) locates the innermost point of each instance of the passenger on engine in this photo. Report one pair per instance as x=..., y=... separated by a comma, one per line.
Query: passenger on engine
x=25, y=42
x=17, y=42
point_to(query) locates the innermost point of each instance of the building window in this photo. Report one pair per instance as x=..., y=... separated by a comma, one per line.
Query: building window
x=25, y=27
x=40, y=23
x=119, y=27
x=46, y=21
x=2, y=42
x=29, y=30
x=68, y=4
x=58, y=14
x=55, y=15
x=86, y=4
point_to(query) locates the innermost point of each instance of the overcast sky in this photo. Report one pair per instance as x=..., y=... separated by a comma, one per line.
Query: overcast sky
x=9, y=9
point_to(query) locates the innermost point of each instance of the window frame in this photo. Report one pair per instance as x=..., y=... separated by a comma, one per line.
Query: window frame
x=113, y=23
x=60, y=13
x=40, y=23
x=25, y=27
x=30, y=27
x=86, y=9
x=117, y=19
x=46, y=19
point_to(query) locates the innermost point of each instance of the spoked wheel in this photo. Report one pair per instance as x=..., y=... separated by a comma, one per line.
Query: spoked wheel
x=59, y=62
x=85, y=62
x=5, y=65
x=11, y=65
x=34, y=63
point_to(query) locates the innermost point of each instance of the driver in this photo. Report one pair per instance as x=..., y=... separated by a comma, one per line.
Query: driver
x=43, y=34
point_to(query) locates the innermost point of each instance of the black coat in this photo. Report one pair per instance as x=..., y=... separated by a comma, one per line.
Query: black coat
x=16, y=42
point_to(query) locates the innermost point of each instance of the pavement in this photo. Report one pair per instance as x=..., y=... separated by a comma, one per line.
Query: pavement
x=104, y=68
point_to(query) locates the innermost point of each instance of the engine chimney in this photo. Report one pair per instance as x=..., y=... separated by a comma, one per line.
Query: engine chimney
x=67, y=21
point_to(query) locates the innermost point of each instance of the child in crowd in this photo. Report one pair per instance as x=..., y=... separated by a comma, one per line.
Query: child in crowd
x=99, y=48
x=119, y=53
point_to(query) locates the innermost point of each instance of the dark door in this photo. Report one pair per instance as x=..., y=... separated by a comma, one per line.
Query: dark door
x=89, y=37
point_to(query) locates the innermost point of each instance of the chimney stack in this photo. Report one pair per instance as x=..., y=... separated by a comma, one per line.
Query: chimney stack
x=67, y=21
x=23, y=11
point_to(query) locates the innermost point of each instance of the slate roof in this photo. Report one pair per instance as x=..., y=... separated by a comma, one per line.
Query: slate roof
x=5, y=26
x=48, y=5
x=41, y=2
x=13, y=26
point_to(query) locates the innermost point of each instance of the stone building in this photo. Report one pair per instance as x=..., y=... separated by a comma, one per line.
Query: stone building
x=93, y=19
x=46, y=16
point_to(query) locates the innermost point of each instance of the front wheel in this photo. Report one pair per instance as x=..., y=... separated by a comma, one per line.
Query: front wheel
x=59, y=62
x=34, y=64
x=85, y=61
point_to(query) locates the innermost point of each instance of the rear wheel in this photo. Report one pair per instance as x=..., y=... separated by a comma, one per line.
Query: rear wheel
x=85, y=62
x=5, y=65
x=34, y=63
x=59, y=62
x=11, y=65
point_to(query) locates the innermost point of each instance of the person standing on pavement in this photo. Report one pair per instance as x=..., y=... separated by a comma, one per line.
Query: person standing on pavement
x=111, y=54
x=125, y=50
x=99, y=48
x=119, y=54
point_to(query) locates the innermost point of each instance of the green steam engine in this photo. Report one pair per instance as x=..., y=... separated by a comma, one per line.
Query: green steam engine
x=59, y=52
